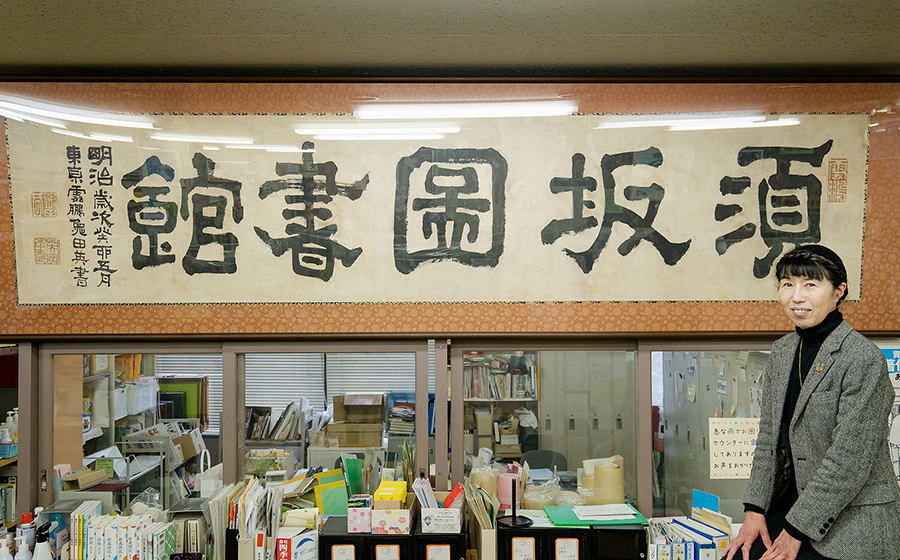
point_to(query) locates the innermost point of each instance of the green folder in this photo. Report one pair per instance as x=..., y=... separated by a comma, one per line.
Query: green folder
x=564, y=516
x=331, y=499
x=353, y=467
x=327, y=477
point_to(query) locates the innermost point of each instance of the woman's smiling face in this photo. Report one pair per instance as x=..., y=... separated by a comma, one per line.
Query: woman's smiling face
x=807, y=301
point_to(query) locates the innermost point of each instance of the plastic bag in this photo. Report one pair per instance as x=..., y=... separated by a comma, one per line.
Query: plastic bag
x=566, y=498
x=486, y=478
x=148, y=502
x=536, y=497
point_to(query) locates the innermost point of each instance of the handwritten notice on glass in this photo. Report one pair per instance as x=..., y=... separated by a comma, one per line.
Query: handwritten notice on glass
x=732, y=442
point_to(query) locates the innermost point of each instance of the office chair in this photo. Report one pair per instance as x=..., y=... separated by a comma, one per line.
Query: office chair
x=545, y=459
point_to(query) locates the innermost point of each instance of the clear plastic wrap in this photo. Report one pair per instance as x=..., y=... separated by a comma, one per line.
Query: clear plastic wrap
x=567, y=498
x=536, y=497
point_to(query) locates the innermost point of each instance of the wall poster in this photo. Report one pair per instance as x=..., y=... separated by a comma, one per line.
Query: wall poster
x=159, y=203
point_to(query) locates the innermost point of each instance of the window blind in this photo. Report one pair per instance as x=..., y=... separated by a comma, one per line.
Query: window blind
x=372, y=372
x=277, y=379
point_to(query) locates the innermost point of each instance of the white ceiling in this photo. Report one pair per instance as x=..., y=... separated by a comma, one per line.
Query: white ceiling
x=566, y=38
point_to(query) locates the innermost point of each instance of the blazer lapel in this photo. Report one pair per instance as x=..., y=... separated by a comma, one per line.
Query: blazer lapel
x=820, y=366
x=783, y=372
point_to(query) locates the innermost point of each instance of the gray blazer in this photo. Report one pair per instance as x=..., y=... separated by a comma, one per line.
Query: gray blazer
x=849, y=503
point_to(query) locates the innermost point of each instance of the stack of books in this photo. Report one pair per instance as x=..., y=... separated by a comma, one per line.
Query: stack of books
x=402, y=418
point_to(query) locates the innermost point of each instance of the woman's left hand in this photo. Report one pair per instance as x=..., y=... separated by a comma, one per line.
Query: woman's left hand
x=785, y=547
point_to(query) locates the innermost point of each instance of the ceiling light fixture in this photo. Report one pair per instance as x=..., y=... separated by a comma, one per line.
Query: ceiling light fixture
x=272, y=148
x=377, y=136
x=377, y=128
x=71, y=113
x=201, y=139
x=93, y=136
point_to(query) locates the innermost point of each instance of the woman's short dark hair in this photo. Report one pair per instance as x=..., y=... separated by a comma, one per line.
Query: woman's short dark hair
x=813, y=261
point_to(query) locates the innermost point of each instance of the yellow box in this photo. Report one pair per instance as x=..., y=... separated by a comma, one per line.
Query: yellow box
x=391, y=490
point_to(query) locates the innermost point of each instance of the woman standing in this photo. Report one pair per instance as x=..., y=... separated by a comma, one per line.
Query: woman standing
x=822, y=485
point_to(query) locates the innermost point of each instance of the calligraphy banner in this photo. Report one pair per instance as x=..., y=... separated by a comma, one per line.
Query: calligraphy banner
x=271, y=208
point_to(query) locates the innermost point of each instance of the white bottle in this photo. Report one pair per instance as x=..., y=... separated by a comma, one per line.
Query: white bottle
x=42, y=543
x=23, y=552
x=4, y=551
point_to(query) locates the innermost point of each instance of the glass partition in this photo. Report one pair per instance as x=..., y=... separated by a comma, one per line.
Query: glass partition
x=705, y=416
x=553, y=408
x=131, y=422
x=9, y=434
x=314, y=408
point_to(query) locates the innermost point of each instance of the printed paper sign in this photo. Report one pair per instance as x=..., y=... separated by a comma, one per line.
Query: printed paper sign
x=732, y=443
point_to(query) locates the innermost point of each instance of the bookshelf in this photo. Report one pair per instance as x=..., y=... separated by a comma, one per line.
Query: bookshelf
x=497, y=385
x=501, y=376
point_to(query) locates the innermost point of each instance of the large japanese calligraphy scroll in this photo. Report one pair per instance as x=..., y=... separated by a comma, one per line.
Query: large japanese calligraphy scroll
x=496, y=210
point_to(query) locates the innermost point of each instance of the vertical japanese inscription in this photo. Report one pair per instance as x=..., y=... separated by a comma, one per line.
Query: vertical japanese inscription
x=199, y=203
x=782, y=211
x=312, y=249
x=75, y=214
x=101, y=180
x=148, y=216
x=452, y=213
x=612, y=211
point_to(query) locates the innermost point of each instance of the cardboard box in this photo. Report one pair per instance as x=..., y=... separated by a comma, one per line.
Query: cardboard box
x=501, y=450
x=355, y=435
x=393, y=518
x=366, y=408
x=260, y=461
x=442, y=520
x=191, y=444
x=83, y=479
x=293, y=543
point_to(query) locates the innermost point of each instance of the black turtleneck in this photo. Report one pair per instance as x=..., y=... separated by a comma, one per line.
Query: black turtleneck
x=811, y=340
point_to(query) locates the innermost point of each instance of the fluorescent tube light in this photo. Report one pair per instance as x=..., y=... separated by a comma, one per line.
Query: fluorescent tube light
x=21, y=117
x=71, y=113
x=271, y=148
x=789, y=121
x=495, y=109
x=377, y=128
x=93, y=136
x=672, y=121
x=374, y=136
x=201, y=139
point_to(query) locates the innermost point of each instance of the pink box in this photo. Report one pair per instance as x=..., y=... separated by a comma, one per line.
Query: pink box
x=359, y=520
x=394, y=521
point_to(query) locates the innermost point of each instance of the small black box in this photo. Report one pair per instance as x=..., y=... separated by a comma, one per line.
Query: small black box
x=520, y=543
x=335, y=543
x=390, y=547
x=568, y=542
x=619, y=542
x=439, y=546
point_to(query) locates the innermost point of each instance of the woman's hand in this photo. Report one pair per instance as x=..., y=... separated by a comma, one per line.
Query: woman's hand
x=754, y=526
x=785, y=547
